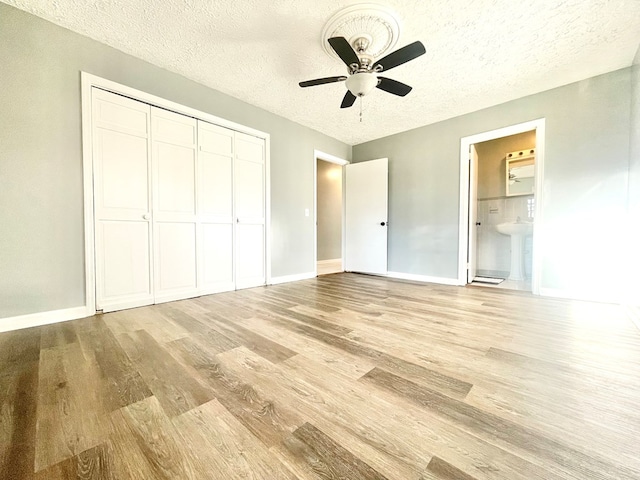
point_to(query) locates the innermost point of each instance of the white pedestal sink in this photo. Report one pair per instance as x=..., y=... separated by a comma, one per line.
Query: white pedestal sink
x=517, y=231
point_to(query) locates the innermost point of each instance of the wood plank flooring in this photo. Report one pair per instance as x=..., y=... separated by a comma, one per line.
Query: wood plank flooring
x=340, y=377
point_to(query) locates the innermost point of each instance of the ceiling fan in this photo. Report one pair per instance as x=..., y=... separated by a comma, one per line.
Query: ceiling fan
x=363, y=71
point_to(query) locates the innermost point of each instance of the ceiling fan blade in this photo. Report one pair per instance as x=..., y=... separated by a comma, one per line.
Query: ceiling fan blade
x=321, y=81
x=348, y=100
x=400, y=56
x=346, y=53
x=393, y=86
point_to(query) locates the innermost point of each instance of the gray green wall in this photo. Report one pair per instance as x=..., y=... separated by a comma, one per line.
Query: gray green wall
x=329, y=210
x=585, y=185
x=492, y=162
x=41, y=196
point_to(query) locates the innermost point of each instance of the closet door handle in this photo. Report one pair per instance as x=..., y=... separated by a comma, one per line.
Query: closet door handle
x=146, y=216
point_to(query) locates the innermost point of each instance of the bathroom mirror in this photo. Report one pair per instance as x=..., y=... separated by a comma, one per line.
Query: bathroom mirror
x=520, y=173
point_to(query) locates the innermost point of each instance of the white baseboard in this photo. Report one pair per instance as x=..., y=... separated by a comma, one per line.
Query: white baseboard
x=423, y=278
x=572, y=295
x=325, y=262
x=292, y=278
x=44, y=318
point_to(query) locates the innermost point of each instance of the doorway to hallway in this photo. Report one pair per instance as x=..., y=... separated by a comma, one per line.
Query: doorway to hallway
x=329, y=217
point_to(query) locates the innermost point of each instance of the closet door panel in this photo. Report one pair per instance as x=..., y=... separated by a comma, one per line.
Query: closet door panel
x=249, y=181
x=174, y=128
x=217, y=257
x=174, y=200
x=125, y=259
x=216, y=186
x=215, y=208
x=123, y=172
x=215, y=139
x=114, y=112
x=121, y=165
x=250, y=265
x=249, y=190
x=175, y=185
x=175, y=246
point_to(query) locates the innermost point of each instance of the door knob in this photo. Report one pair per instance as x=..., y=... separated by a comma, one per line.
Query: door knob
x=383, y=223
x=146, y=216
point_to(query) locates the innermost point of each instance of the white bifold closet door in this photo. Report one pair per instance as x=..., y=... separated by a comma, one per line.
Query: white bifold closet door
x=232, y=208
x=173, y=161
x=179, y=205
x=215, y=207
x=122, y=201
x=249, y=200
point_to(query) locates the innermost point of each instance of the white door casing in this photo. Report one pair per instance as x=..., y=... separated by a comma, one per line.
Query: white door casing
x=463, y=231
x=473, y=214
x=366, y=200
x=122, y=164
x=326, y=157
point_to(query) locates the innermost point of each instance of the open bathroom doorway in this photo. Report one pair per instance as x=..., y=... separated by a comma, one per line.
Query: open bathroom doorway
x=329, y=213
x=501, y=177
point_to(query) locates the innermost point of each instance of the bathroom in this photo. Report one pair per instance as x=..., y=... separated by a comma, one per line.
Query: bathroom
x=505, y=196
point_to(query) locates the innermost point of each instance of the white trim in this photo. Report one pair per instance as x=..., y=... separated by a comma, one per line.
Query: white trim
x=293, y=278
x=327, y=157
x=88, y=81
x=423, y=278
x=44, y=318
x=87, y=180
x=267, y=206
x=463, y=232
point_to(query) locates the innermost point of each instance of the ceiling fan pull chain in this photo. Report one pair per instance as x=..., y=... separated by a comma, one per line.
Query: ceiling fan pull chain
x=360, y=109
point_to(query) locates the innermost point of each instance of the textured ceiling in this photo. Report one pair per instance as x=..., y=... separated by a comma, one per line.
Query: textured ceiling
x=479, y=52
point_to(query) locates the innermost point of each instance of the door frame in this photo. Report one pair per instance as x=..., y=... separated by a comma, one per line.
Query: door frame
x=87, y=82
x=326, y=157
x=472, y=257
x=463, y=236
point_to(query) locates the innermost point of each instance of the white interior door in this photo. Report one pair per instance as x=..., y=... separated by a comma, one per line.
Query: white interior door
x=121, y=155
x=215, y=208
x=249, y=191
x=473, y=214
x=366, y=194
x=173, y=161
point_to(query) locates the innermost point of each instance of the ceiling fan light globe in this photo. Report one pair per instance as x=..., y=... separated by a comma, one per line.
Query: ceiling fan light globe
x=361, y=83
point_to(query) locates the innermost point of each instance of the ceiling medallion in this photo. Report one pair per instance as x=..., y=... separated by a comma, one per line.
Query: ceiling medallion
x=376, y=25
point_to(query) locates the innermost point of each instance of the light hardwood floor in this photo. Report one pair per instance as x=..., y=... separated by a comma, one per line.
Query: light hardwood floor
x=341, y=377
